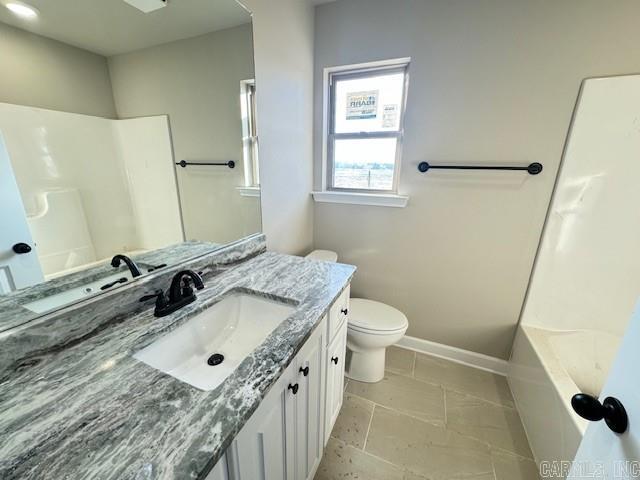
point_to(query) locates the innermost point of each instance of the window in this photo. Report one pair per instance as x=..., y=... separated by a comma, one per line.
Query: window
x=249, y=134
x=365, y=112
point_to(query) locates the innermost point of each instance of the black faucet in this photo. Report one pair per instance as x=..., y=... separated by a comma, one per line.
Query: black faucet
x=133, y=268
x=180, y=293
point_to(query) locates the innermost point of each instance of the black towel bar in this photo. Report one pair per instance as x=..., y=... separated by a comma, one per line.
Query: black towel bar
x=230, y=163
x=533, y=168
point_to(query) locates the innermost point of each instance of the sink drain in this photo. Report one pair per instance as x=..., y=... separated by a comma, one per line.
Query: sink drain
x=215, y=359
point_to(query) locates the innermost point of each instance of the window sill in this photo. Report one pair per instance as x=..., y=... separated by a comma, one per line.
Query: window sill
x=249, y=191
x=354, y=198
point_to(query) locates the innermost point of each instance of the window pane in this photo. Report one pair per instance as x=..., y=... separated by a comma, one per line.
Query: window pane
x=368, y=104
x=364, y=163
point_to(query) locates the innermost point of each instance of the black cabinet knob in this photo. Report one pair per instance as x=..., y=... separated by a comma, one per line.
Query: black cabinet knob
x=304, y=371
x=612, y=410
x=344, y=310
x=293, y=388
x=21, y=248
x=334, y=360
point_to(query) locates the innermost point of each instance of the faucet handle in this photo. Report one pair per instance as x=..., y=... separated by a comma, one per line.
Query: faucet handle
x=161, y=299
x=150, y=296
x=152, y=268
x=187, y=291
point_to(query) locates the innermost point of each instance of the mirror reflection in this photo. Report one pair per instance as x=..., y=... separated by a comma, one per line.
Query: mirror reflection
x=127, y=141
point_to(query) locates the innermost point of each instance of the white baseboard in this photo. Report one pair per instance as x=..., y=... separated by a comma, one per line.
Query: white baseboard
x=458, y=355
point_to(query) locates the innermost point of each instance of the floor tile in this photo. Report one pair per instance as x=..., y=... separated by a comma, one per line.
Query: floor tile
x=481, y=476
x=426, y=449
x=414, y=476
x=463, y=379
x=404, y=394
x=353, y=422
x=342, y=461
x=496, y=425
x=510, y=467
x=400, y=361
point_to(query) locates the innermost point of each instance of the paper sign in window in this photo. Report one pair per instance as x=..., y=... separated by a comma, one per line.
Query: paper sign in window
x=362, y=105
x=390, y=116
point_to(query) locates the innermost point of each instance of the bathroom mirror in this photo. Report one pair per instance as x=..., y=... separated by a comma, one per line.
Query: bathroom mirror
x=126, y=130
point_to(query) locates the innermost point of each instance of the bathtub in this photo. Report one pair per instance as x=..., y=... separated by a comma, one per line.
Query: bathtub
x=546, y=369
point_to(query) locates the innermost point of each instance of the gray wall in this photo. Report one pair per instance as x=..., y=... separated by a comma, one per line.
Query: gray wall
x=40, y=72
x=283, y=37
x=491, y=81
x=197, y=83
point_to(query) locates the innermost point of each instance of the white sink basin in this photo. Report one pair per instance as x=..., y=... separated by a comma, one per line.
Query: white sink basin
x=72, y=295
x=233, y=327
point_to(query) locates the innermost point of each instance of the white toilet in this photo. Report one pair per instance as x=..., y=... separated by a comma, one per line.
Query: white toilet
x=372, y=327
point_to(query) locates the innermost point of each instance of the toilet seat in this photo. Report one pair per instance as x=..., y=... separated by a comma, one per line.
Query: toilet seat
x=375, y=318
x=374, y=332
x=323, y=256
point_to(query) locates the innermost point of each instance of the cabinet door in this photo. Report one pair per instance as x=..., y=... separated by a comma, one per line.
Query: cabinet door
x=338, y=313
x=335, y=379
x=265, y=449
x=220, y=471
x=310, y=405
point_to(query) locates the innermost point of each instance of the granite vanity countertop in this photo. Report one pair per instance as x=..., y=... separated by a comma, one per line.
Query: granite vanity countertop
x=12, y=313
x=86, y=409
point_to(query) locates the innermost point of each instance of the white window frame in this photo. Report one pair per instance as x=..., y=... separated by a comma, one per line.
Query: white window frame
x=251, y=186
x=340, y=195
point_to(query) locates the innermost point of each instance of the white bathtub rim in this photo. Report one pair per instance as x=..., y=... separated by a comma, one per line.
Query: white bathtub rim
x=564, y=385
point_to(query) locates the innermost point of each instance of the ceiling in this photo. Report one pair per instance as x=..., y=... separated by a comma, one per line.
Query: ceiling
x=111, y=27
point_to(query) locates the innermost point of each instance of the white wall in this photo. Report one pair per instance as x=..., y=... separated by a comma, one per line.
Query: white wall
x=587, y=274
x=41, y=72
x=105, y=199
x=61, y=230
x=196, y=82
x=491, y=81
x=52, y=150
x=283, y=38
x=145, y=150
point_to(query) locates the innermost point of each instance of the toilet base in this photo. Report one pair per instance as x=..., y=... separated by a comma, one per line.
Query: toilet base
x=366, y=366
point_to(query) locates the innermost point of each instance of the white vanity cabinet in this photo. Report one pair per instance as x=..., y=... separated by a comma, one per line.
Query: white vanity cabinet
x=335, y=379
x=335, y=361
x=263, y=448
x=285, y=437
x=310, y=405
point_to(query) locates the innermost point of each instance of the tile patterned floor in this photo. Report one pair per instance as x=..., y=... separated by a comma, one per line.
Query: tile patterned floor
x=429, y=419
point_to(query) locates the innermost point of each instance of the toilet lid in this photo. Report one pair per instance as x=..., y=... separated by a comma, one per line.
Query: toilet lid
x=375, y=316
